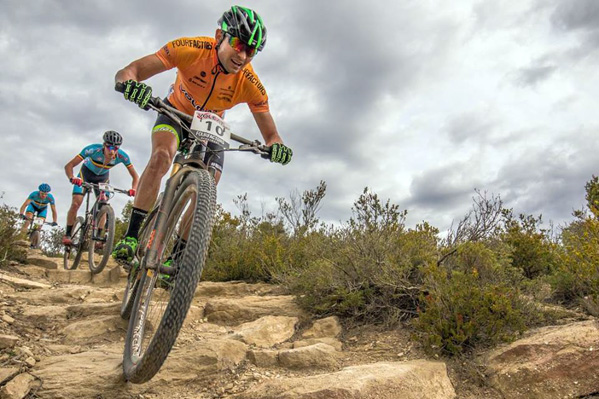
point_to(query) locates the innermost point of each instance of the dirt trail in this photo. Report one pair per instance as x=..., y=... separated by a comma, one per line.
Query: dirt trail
x=62, y=335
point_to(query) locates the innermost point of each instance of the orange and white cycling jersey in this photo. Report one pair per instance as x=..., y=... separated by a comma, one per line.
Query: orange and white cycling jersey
x=202, y=83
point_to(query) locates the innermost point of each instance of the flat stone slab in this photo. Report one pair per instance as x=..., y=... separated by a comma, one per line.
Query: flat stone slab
x=386, y=380
x=83, y=276
x=43, y=261
x=22, y=283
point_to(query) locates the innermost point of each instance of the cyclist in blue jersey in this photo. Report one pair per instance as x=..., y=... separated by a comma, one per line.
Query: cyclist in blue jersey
x=37, y=203
x=97, y=160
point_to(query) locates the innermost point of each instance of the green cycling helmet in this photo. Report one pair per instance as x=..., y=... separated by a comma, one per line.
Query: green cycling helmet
x=245, y=24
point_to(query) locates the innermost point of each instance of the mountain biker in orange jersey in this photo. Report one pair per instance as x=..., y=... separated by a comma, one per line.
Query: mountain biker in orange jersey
x=97, y=160
x=213, y=74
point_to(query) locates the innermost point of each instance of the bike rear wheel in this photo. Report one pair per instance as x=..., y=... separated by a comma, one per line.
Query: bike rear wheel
x=159, y=311
x=72, y=254
x=134, y=277
x=34, y=239
x=97, y=261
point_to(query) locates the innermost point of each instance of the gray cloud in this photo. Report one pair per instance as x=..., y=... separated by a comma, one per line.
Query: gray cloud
x=473, y=126
x=534, y=75
x=351, y=87
x=444, y=187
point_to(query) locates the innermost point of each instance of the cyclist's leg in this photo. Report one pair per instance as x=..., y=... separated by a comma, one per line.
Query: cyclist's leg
x=165, y=141
x=103, y=198
x=29, y=212
x=77, y=199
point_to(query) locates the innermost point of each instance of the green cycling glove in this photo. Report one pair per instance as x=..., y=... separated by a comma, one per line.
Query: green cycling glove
x=280, y=153
x=138, y=93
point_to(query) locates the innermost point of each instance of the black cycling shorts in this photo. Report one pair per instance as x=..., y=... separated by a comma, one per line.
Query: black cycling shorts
x=90, y=177
x=164, y=123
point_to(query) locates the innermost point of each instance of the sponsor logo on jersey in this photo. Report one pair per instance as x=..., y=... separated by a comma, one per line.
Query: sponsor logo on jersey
x=195, y=43
x=254, y=80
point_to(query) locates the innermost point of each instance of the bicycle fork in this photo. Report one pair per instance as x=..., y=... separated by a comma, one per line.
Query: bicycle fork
x=156, y=243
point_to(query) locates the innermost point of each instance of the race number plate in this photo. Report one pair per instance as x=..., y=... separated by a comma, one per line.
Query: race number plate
x=104, y=187
x=211, y=127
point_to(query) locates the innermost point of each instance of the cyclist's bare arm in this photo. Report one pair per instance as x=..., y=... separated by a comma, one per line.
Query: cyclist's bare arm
x=267, y=127
x=141, y=69
x=68, y=168
x=54, y=213
x=24, y=206
x=134, y=177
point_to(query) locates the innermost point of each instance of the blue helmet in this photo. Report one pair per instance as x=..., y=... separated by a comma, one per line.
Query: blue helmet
x=45, y=188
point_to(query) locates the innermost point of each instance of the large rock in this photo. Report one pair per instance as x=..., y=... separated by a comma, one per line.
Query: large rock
x=555, y=362
x=90, y=328
x=235, y=311
x=198, y=359
x=93, y=309
x=44, y=261
x=334, y=342
x=83, y=375
x=235, y=289
x=8, y=341
x=69, y=276
x=44, y=314
x=7, y=373
x=308, y=357
x=62, y=295
x=266, y=331
x=327, y=327
x=264, y=357
x=21, y=283
x=19, y=387
x=410, y=380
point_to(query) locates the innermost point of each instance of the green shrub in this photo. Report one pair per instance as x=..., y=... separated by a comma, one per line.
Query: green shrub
x=532, y=250
x=472, y=303
x=368, y=269
x=577, y=273
x=9, y=233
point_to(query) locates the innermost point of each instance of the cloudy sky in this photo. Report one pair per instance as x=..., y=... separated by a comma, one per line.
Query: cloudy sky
x=423, y=101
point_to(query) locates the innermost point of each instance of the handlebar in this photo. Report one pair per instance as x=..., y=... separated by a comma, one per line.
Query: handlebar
x=97, y=186
x=35, y=219
x=158, y=105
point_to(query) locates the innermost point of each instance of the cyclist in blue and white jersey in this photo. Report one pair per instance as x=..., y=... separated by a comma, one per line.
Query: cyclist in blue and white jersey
x=97, y=160
x=37, y=203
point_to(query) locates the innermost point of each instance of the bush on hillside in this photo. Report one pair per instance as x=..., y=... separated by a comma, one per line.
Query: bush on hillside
x=9, y=233
x=368, y=269
x=471, y=302
x=532, y=251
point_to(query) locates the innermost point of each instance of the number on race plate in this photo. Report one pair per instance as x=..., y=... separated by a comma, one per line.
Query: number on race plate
x=211, y=127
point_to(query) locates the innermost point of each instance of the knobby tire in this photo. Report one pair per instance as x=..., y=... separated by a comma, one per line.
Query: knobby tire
x=72, y=257
x=108, y=233
x=142, y=366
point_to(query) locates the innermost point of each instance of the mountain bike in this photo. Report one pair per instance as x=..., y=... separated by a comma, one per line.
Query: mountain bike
x=95, y=231
x=34, y=230
x=177, y=231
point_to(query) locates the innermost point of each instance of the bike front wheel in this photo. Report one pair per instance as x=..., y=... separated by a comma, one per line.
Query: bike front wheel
x=101, y=239
x=72, y=254
x=161, y=306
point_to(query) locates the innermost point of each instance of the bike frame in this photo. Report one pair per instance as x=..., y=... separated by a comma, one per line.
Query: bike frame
x=183, y=164
x=90, y=214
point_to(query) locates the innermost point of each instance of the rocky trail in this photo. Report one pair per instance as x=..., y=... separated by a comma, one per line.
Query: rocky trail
x=61, y=336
